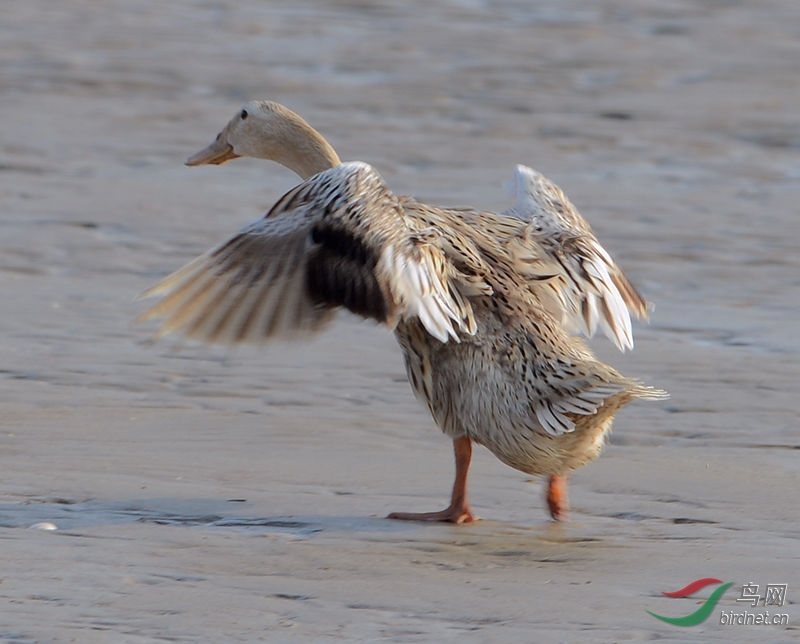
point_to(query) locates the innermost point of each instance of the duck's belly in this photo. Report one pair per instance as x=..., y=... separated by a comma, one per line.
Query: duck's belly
x=484, y=390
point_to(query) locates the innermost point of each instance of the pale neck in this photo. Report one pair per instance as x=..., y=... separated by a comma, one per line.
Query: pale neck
x=303, y=150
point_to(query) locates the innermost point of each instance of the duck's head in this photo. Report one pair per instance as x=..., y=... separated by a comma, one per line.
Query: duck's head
x=268, y=130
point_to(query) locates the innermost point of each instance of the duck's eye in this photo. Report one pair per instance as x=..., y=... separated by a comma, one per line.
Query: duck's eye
x=243, y=114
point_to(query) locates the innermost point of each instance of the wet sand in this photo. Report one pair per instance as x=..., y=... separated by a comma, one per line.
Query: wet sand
x=203, y=495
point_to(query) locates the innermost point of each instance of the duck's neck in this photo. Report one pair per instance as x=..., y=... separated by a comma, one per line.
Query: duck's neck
x=305, y=151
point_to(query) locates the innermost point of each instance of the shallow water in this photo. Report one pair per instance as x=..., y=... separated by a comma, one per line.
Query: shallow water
x=207, y=495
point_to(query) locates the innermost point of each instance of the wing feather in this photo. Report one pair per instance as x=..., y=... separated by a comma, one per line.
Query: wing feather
x=339, y=239
x=587, y=285
x=561, y=397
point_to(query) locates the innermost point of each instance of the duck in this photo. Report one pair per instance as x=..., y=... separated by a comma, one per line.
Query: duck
x=489, y=309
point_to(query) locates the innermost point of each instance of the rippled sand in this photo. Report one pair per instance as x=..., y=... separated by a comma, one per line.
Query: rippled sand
x=201, y=495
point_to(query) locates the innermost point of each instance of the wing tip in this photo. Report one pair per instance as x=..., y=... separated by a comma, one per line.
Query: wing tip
x=646, y=392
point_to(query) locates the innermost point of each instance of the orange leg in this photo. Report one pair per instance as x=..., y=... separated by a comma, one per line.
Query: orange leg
x=557, y=497
x=458, y=511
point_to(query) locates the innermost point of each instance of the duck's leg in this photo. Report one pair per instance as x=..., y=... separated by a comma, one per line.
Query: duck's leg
x=458, y=511
x=557, y=497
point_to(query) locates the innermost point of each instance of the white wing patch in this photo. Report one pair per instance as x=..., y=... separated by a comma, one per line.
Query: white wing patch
x=421, y=294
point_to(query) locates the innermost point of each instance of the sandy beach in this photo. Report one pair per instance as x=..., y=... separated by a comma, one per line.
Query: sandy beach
x=183, y=493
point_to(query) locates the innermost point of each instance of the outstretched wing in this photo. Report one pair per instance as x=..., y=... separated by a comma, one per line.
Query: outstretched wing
x=579, y=274
x=339, y=239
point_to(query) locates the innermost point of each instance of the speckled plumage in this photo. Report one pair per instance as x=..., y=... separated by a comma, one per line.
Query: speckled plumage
x=480, y=303
x=521, y=385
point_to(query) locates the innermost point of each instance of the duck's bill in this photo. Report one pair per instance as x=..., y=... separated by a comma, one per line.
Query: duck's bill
x=215, y=154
